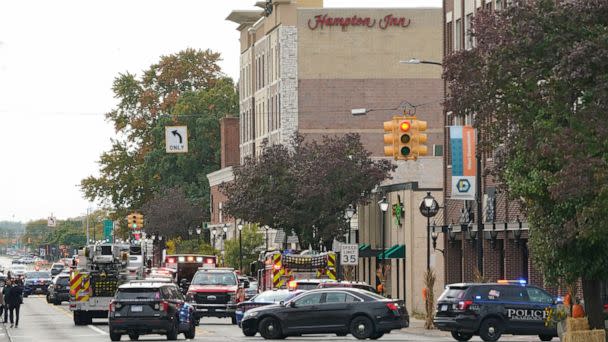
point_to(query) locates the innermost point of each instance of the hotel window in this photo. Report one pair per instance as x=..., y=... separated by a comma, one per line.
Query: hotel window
x=489, y=6
x=499, y=5
x=458, y=35
x=468, y=38
x=449, y=37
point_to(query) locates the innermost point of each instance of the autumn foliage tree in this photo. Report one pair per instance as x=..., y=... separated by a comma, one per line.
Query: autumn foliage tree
x=537, y=83
x=186, y=88
x=304, y=185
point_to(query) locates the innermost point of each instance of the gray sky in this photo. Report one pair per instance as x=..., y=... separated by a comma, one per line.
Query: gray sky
x=57, y=63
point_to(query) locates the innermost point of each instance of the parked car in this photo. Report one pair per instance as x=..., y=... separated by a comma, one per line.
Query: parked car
x=354, y=284
x=142, y=307
x=262, y=299
x=333, y=310
x=36, y=282
x=307, y=284
x=56, y=268
x=59, y=290
x=252, y=290
x=17, y=270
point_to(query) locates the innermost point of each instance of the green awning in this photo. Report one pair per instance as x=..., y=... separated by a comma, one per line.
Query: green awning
x=395, y=252
x=364, y=246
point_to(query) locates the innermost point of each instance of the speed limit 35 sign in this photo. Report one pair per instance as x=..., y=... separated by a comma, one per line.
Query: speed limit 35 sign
x=349, y=254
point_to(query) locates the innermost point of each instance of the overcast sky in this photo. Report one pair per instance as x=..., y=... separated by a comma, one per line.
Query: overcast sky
x=58, y=59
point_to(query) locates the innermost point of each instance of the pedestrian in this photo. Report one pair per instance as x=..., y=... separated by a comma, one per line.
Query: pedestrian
x=2, y=304
x=14, y=301
x=4, y=295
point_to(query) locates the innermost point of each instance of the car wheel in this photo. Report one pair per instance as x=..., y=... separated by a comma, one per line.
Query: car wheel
x=233, y=319
x=191, y=333
x=270, y=328
x=78, y=318
x=197, y=322
x=361, y=327
x=491, y=330
x=545, y=337
x=377, y=335
x=56, y=301
x=115, y=336
x=341, y=334
x=48, y=299
x=249, y=332
x=134, y=337
x=460, y=336
x=172, y=334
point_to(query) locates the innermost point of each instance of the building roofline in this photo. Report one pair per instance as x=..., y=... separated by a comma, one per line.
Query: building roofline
x=244, y=17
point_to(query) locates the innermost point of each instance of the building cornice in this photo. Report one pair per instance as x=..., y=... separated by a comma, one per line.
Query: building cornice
x=220, y=176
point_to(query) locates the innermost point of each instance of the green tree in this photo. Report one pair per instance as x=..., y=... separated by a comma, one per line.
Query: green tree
x=186, y=88
x=305, y=185
x=193, y=246
x=537, y=82
x=252, y=241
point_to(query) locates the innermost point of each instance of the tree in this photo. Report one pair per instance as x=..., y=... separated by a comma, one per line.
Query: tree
x=537, y=82
x=305, y=185
x=186, y=88
x=192, y=247
x=252, y=240
x=171, y=214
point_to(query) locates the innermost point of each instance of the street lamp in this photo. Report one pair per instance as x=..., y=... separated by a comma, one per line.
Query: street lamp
x=225, y=229
x=418, y=61
x=383, y=203
x=199, y=230
x=190, y=232
x=240, y=227
x=350, y=212
x=428, y=208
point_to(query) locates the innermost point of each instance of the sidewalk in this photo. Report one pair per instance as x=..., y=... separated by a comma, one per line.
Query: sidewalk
x=417, y=327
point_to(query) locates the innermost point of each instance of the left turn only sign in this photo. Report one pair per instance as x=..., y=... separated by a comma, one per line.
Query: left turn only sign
x=176, y=139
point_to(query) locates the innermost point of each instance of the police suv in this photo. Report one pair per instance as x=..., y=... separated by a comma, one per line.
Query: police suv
x=492, y=309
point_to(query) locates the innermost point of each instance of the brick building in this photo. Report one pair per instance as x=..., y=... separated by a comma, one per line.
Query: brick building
x=504, y=242
x=303, y=68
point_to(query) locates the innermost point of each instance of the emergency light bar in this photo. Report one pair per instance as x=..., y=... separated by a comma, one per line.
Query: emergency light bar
x=519, y=281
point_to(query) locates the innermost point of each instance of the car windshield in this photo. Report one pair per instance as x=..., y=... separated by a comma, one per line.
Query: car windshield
x=214, y=278
x=37, y=275
x=57, y=266
x=307, y=286
x=453, y=293
x=63, y=281
x=274, y=296
x=138, y=293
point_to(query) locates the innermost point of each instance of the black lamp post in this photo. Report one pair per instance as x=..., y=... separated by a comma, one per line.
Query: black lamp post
x=428, y=208
x=189, y=233
x=350, y=212
x=240, y=227
x=383, y=207
x=266, y=227
x=199, y=230
x=225, y=229
x=213, y=233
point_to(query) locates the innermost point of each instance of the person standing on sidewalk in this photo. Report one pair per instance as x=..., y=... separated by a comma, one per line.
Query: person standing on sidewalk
x=2, y=303
x=4, y=295
x=14, y=301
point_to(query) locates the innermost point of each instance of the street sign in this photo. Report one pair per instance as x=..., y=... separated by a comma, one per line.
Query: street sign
x=52, y=222
x=107, y=229
x=349, y=254
x=176, y=139
x=42, y=252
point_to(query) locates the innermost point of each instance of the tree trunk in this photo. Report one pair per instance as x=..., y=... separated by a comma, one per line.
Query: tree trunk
x=593, y=303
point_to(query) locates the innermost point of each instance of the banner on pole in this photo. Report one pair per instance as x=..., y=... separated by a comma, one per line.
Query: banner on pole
x=464, y=163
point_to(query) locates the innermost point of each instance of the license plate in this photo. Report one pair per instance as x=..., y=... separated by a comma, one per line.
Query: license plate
x=444, y=307
x=137, y=308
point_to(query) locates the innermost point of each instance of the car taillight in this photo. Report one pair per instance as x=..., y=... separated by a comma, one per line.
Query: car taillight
x=392, y=306
x=112, y=307
x=464, y=304
x=165, y=306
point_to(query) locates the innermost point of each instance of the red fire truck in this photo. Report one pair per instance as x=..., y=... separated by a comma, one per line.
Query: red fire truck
x=278, y=269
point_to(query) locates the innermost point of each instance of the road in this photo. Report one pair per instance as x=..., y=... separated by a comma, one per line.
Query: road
x=46, y=322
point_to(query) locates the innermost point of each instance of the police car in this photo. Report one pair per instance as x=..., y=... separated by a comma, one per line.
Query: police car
x=492, y=309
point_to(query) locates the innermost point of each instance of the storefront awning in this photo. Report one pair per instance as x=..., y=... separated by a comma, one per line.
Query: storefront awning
x=363, y=246
x=395, y=252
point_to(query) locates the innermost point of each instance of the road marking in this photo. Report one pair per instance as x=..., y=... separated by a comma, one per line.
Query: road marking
x=96, y=329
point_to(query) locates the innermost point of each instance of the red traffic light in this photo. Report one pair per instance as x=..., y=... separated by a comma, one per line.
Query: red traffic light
x=405, y=126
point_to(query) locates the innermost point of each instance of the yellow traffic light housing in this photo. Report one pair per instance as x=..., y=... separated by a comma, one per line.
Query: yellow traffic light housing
x=139, y=221
x=418, y=139
x=390, y=137
x=403, y=139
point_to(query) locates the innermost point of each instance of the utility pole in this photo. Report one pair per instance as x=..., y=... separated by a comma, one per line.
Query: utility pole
x=88, y=237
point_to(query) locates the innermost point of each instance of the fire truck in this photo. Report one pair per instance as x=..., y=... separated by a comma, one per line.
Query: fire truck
x=278, y=269
x=101, y=269
x=186, y=265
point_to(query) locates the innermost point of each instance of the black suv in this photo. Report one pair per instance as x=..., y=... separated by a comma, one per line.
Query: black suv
x=492, y=309
x=146, y=307
x=59, y=290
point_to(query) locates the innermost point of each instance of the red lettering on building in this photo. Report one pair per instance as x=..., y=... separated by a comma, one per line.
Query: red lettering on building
x=322, y=20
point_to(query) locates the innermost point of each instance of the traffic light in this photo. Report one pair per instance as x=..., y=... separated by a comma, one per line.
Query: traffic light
x=131, y=220
x=391, y=129
x=418, y=139
x=139, y=221
x=405, y=140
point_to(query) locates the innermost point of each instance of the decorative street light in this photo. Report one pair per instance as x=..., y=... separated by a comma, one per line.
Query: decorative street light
x=384, y=207
x=225, y=229
x=199, y=230
x=350, y=212
x=428, y=208
x=240, y=227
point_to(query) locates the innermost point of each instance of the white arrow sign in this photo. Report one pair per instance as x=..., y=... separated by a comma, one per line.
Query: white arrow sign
x=51, y=222
x=176, y=139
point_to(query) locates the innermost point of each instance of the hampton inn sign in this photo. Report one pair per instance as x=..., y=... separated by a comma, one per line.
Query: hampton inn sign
x=323, y=20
